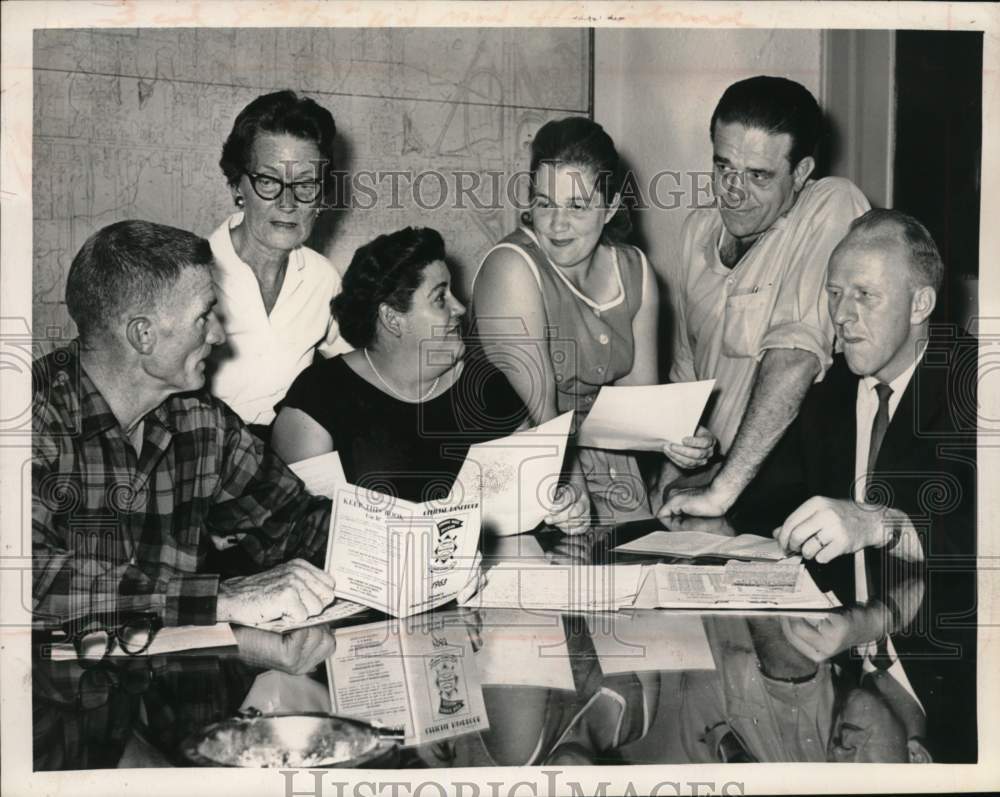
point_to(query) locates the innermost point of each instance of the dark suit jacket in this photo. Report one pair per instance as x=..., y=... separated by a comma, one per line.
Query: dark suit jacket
x=926, y=467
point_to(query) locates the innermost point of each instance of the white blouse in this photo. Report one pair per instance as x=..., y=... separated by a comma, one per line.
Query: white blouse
x=263, y=354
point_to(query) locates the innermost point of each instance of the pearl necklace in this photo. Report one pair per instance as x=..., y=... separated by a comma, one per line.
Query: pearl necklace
x=393, y=390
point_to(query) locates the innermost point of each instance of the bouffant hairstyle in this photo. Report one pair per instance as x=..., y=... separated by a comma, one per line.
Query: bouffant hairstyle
x=278, y=112
x=578, y=141
x=387, y=270
x=127, y=267
x=775, y=105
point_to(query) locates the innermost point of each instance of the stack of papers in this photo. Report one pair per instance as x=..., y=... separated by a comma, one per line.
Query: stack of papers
x=715, y=587
x=582, y=588
x=644, y=417
x=700, y=543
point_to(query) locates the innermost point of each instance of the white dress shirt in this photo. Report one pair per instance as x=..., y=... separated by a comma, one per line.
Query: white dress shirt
x=866, y=408
x=264, y=353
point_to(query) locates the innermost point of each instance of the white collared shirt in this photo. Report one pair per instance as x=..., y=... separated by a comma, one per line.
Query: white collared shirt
x=264, y=353
x=865, y=409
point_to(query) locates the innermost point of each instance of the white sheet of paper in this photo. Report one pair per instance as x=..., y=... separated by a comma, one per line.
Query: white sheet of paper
x=522, y=648
x=650, y=640
x=170, y=639
x=703, y=543
x=705, y=587
x=569, y=588
x=401, y=557
x=644, y=417
x=322, y=474
x=518, y=474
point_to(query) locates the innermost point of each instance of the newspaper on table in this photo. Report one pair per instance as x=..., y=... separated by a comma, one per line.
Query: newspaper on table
x=420, y=677
x=644, y=417
x=701, y=543
x=751, y=585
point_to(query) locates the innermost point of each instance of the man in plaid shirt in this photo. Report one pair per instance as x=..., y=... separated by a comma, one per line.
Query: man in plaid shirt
x=138, y=473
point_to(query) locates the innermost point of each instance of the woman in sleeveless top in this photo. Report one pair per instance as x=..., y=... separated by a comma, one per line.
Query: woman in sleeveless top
x=563, y=308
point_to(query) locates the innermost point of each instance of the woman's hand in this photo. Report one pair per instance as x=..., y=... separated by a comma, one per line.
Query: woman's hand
x=571, y=510
x=692, y=452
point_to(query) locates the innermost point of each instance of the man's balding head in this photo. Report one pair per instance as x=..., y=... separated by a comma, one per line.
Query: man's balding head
x=882, y=287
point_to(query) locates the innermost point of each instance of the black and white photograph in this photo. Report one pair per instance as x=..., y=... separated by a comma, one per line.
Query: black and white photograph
x=496, y=399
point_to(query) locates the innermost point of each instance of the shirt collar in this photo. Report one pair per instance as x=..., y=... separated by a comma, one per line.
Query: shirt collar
x=96, y=415
x=900, y=383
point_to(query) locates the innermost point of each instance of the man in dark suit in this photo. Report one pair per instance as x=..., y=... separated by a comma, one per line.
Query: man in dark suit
x=882, y=458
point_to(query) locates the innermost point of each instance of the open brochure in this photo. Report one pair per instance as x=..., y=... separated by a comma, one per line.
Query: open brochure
x=748, y=586
x=421, y=678
x=402, y=557
x=397, y=556
x=517, y=475
x=701, y=543
x=644, y=417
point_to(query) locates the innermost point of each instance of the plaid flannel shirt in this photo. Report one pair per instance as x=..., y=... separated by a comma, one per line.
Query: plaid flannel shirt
x=116, y=532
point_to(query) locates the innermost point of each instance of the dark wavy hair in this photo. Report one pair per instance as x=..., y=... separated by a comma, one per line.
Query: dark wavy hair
x=129, y=266
x=387, y=270
x=775, y=105
x=579, y=141
x=278, y=112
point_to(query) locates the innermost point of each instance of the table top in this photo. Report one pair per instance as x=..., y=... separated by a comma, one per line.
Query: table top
x=504, y=687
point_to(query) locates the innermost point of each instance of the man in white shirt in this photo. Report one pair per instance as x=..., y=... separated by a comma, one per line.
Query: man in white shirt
x=747, y=287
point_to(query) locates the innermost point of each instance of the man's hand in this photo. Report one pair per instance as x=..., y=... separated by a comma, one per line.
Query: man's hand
x=822, y=638
x=692, y=452
x=701, y=501
x=825, y=528
x=293, y=591
x=296, y=652
x=571, y=511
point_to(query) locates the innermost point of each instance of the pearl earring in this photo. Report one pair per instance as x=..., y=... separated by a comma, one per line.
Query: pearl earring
x=240, y=202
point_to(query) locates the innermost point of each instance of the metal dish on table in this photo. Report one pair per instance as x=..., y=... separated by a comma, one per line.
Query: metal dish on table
x=290, y=740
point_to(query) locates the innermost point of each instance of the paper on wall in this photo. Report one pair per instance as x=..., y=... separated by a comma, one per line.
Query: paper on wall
x=644, y=417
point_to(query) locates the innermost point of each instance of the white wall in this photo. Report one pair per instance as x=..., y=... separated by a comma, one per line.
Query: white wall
x=655, y=90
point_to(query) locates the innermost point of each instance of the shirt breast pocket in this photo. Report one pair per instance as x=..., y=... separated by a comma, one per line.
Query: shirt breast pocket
x=745, y=322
